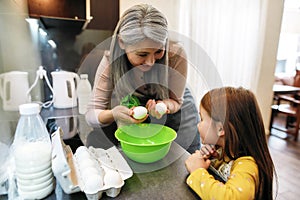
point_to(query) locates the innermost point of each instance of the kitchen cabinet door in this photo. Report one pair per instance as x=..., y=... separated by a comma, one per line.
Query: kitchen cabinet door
x=105, y=14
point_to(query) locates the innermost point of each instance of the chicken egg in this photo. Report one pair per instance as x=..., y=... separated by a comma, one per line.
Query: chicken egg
x=86, y=162
x=161, y=108
x=88, y=172
x=93, y=184
x=113, y=179
x=139, y=112
x=82, y=153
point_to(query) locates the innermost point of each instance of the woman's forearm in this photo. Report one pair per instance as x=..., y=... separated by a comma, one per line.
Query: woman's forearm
x=106, y=117
x=172, y=105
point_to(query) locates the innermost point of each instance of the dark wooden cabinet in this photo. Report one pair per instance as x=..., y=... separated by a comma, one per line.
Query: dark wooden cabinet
x=57, y=8
x=105, y=13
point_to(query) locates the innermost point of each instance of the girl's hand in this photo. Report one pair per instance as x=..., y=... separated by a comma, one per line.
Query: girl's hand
x=124, y=115
x=152, y=111
x=208, y=151
x=196, y=161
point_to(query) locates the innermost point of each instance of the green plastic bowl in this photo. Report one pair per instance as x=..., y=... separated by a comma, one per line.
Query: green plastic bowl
x=145, y=149
x=142, y=130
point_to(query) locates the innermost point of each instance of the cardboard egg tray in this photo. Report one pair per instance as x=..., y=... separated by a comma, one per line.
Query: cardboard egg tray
x=67, y=168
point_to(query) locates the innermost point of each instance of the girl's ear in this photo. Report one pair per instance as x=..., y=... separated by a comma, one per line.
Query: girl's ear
x=220, y=129
x=121, y=43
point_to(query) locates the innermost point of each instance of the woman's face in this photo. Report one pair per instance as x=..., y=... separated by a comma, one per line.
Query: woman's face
x=207, y=128
x=144, y=54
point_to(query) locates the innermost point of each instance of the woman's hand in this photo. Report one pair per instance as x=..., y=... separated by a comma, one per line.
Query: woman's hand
x=152, y=110
x=124, y=115
x=208, y=151
x=196, y=161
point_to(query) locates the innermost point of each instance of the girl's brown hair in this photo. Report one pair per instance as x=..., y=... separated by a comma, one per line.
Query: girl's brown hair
x=238, y=110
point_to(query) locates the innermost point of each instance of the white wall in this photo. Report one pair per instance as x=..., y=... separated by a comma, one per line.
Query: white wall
x=18, y=49
x=289, y=37
x=291, y=17
x=265, y=80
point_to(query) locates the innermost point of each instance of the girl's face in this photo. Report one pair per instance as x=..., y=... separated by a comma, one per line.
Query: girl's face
x=144, y=54
x=207, y=128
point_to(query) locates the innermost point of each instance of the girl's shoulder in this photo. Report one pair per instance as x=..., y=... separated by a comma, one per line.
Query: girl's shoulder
x=245, y=162
x=245, y=158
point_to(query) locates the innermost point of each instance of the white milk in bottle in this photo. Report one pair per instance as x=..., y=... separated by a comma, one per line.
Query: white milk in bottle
x=32, y=154
x=84, y=90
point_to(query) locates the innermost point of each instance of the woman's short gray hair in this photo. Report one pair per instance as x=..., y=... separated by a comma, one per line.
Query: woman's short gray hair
x=141, y=22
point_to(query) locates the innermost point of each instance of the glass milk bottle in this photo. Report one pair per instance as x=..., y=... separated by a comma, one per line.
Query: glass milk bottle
x=32, y=154
x=84, y=90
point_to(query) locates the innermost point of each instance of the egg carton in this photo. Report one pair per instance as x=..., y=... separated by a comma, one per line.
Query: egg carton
x=76, y=172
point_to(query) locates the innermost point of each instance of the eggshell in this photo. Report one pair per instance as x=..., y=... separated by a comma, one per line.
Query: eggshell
x=113, y=179
x=89, y=172
x=81, y=149
x=139, y=112
x=86, y=162
x=161, y=108
x=82, y=153
x=93, y=183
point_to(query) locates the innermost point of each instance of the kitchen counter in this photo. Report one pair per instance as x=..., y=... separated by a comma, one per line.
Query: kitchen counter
x=164, y=179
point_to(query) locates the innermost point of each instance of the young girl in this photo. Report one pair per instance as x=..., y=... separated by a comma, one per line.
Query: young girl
x=232, y=131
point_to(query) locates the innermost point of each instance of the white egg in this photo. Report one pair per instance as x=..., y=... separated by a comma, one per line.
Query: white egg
x=81, y=149
x=139, y=112
x=161, y=108
x=86, y=162
x=113, y=179
x=82, y=153
x=88, y=172
x=93, y=184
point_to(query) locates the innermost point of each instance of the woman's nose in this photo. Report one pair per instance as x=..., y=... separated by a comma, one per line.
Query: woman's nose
x=150, y=60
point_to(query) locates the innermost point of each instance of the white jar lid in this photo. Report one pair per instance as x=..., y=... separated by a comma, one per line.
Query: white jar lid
x=29, y=109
